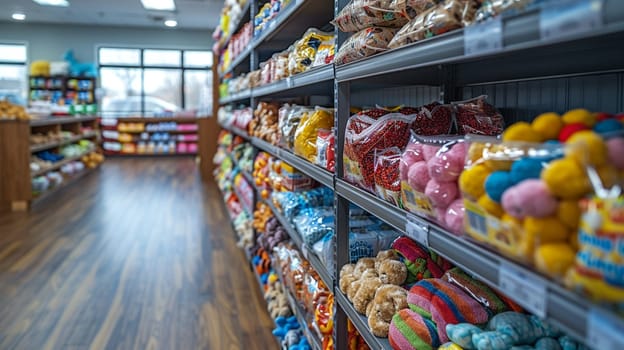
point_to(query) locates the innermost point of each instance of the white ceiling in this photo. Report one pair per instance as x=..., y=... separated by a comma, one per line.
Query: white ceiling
x=190, y=14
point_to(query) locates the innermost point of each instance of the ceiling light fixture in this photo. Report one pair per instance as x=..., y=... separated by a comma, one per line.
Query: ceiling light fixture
x=18, y=16
x=159, y=5
x=171, y=23
x=61, y=3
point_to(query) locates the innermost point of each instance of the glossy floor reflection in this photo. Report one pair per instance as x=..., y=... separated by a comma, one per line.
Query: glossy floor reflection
x=138, y=255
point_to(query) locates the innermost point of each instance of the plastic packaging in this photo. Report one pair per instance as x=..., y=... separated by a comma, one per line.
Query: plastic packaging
x=494, y=8
x=369, y=130
x=325, y=149
x=289, y=118
x=448, y=16
x=387, y=174
x=413, y=8
x=476, y=116
x=361, y=14
x=365, y=43
x=264, y=124
x=304, y=51
x=325, y=52
x=429, y=172
x=433, y=119
x=307, y=131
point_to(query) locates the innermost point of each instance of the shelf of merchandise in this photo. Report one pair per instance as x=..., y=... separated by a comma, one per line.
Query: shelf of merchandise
x=303, y=248
x=237, y=96
x=59, y=164
x=243, y=57
x=67, y=182
x=568, y=310
x=237, y=132
x=48, y=145
x=312, y=170
x=361, y=323
x=155, y=131
x=524, y=54
x=297, y=310
x=239, y=24
x=60, y=120
x=520, y=34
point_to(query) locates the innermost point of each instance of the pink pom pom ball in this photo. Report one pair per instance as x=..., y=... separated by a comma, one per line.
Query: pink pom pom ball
x=529, y=198
x=429, y=151
x=418, y=176
x=440, y=214
x=615, y=149
x=443, y=168
x=454, y=218
x=441, y=194
x=416, y=149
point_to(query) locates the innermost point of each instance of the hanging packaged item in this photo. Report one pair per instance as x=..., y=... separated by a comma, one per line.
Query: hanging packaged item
x=307, y=131
x=365, y=43
x=360, y=14
x=448, y=16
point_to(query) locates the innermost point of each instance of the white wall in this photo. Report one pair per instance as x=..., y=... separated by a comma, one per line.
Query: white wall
x=50, y=41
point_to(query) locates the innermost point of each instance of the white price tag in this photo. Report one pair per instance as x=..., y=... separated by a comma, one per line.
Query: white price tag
x=570, y=17
x=417, y=230
x=289, y=82
x=522, y=288
x=484, y=37
x=604, y=331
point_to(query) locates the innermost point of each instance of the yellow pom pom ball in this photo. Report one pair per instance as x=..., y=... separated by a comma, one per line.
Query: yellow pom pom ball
x=579, y=115
x=569, y=213
x=566, y=179
x=472, y=181
x=475, y=152
x=587, y=147
x=554, y=259
x=494, y=154
x=548, y=125
x=522, y=131
x=490, y=206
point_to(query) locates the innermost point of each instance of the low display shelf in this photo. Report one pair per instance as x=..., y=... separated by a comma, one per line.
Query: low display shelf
x=21, y=139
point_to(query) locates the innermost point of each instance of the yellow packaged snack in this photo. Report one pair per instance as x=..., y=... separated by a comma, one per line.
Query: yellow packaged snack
x=307, y=131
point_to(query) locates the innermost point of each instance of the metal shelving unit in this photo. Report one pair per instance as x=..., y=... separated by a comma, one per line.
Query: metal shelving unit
x=539, y=53
x=48, y=145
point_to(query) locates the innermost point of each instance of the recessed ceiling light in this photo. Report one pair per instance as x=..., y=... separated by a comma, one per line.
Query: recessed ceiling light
x=18, y=16
x=62, y=3
x=159, y=5
x=171, y=23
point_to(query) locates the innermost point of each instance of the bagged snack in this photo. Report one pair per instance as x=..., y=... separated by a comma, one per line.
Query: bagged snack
x=492, y=8
x=365, y=43
x=304, y=51
x=413, y=8
x=289, y=119
x=325, y=149
x=360, y=14
x=372, y=129
x=448, y=16
x=387, y=175
x=306, y=133
x=325, y=52
x=429, y=171
x=433, y=119
x=476, y=116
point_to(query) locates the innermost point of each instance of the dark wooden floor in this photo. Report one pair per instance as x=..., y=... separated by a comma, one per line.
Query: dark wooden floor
x=138, y=255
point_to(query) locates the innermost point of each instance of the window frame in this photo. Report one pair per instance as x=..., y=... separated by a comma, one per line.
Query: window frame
x=25, y=63
x=142, y=66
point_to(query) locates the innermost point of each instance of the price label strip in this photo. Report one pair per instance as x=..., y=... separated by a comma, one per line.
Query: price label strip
x=522, y=288
x=289, y=82
x=417, y=230
x=486, y=37
x=604, y=331
x=570, y=17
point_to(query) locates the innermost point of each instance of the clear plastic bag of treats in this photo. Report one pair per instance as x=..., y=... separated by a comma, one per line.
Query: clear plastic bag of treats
x=361, y=14
x=365, y=43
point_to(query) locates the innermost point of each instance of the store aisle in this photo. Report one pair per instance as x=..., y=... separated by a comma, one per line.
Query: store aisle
x=136, y=256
